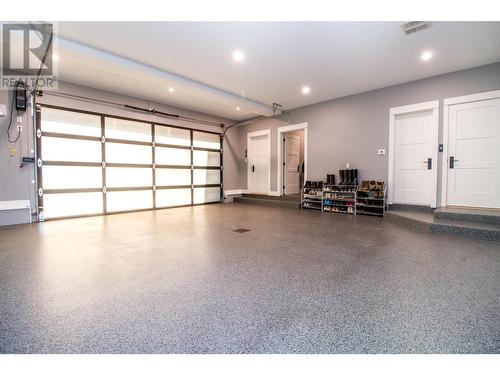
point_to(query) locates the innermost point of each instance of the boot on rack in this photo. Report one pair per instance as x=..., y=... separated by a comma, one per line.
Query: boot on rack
x=341, y=176
x=354, y=176
x=330, y=179
x=348, y=178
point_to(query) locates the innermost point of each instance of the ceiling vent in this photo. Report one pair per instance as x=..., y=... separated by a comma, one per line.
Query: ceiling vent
x=414, y=26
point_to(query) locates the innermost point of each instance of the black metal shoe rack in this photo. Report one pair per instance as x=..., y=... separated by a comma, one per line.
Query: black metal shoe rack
x=371, y=199
x=311, y=195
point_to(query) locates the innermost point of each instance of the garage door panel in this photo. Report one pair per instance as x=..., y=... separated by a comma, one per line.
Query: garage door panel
x=71, y=177
x=172, y=156
x=172, y=136
x=72, y=150
x=128, y=177
x=173, y=197
x=206, y=176
x=127, y=130
x=206, y=140
x=206, y=195
x=72, y=204
x=206, y=158
x=172, y=177
x=129, y=200
x=127, y=153
x=59, y=121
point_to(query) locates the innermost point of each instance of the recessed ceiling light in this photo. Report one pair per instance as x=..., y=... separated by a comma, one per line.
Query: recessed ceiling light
x=55, y=57
x=426, y=56
x=306, y=90
x=238, y=55
x=171, y=89
x=237, y=108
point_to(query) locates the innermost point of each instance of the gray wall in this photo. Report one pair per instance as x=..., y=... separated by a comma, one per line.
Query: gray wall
x=351, y=129
x=17, y=183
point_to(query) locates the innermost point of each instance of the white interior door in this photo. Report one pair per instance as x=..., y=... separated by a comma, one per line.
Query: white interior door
x=414, y=160
x=292, y=164
x=474, y=154
x=259, y=164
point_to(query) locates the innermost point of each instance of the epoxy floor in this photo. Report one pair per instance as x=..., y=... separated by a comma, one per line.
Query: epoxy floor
x=181, y=281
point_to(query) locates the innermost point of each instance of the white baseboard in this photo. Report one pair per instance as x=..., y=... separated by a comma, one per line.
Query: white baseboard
x=274, y=193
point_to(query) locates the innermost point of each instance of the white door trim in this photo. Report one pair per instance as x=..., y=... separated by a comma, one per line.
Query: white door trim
x=259, y=133
x=279, y=165
x=284, y=170
x=393, y=112
x=446, y=111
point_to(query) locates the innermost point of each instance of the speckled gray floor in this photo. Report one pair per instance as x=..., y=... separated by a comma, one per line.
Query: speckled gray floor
x=181, y=281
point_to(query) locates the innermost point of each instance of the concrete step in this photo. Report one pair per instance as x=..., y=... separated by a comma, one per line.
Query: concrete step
x=471, y=215
x=427, y=222
x=269, y=201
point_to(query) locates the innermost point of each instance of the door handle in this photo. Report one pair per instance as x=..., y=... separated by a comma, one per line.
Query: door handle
x=428, y=162
x=253, y=168
x=452, y=162
x=298, y=168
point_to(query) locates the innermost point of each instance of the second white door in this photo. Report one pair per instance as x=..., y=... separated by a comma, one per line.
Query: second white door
x=259, y=164
x=474, y=154
x=414, y=162
x=292, y=164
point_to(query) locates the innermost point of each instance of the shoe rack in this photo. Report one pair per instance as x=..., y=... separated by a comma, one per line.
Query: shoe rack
x=371, y=198
x=311, y=196
x=340, y=198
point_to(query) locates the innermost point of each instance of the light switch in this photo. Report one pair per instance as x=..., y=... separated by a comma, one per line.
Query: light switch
x=381, y=151
x=3, y=110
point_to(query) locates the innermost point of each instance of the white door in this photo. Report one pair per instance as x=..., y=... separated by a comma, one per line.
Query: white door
x=259, y=164
x=414, y=160
x=474, y=154
x=292, y=164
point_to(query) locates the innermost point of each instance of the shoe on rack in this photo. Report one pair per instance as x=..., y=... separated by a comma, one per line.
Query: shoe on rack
x=354, y=176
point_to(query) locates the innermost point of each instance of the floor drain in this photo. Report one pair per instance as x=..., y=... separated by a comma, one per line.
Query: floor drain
x=241, y=230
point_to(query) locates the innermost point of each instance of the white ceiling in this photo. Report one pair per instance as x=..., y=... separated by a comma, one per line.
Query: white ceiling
x=335, y=59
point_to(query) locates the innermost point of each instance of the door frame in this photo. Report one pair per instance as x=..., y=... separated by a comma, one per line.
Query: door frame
x=283, y=169
x=406, y=109
x=446, y=125
x=251, y=135
x=279, y=165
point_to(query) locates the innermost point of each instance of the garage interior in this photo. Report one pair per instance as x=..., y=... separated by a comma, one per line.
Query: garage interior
x=240, y=197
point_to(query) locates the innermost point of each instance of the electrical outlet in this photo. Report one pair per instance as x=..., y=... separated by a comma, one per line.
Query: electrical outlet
x=3, y=110
x=13, y=152
x=381, y=151
x=347, y=165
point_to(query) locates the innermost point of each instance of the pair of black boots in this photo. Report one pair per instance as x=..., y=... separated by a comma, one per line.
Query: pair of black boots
x=348, y=177
x=330, y=179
